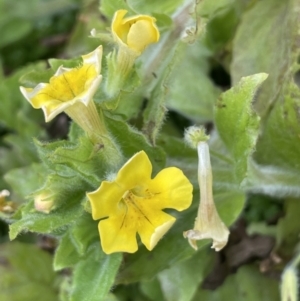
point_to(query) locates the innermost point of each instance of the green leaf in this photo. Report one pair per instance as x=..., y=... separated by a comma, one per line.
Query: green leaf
x=84, y=233
x=109, y=8
x=135, y=141
x=148, y=7
x=288, y=229
x=152, y=290
x=181, y=281
x=94, y=275
x=54, y=222
x=66, y=254
x=16, y=113
x=280, y=145
x=247, y=284
x=26, y=273
x=27, y=179
x=268, y=50
x=80, y=158
x=12, y=29
x=196, y=97
x=237, y=123
x=223, y=20
x=75, y=243
x=272, y=180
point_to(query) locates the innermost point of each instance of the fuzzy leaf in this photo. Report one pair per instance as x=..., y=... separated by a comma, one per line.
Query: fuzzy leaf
x=247, y=284
x=26, y=273
x=94, y=275
x=54, y=222
x=258, y=54
x=135, y=141
x=196, y=97
x=181, y=281
x=66, y=254
x=237, y=123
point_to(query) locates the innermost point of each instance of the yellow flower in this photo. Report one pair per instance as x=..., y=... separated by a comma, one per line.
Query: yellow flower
x=71, y=90
x=133, y=203
x=134, y=33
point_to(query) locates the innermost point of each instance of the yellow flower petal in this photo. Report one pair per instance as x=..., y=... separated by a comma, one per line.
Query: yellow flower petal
x=135, y=172
x=117, y=235
x=152, y=226
x=67, y=87
x=105, y=199
x=172, y=189
x=141, y=34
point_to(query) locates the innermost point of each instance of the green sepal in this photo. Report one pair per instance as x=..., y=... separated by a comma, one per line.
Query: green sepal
x=237, y=123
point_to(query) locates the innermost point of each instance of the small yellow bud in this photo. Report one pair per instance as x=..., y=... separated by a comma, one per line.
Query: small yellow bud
x=134, y=33
x=44, y=201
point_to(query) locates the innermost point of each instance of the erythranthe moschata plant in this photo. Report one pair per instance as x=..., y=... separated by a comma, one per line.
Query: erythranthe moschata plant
x=133, y=203
x=208, y=223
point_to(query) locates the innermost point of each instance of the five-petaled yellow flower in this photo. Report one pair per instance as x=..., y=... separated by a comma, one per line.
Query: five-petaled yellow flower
x=68, y=87
x=133, y=203
x=134, y=33
x=71, y=90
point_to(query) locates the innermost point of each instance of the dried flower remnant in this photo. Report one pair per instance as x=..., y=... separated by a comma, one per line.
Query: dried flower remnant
x=208, y=224
x=133, y=203
x=5, y=205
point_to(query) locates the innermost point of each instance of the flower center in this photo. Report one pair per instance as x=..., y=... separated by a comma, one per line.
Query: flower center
x=68, y=85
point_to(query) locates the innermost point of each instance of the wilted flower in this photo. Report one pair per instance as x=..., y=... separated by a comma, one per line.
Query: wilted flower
x=71, y=90
x=133, y=203
x=208, y=224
